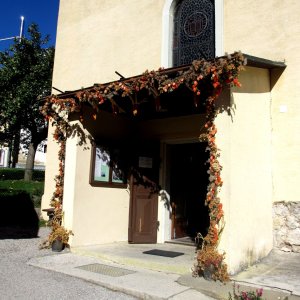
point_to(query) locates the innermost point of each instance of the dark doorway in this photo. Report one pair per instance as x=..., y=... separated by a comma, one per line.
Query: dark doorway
x=188, y=187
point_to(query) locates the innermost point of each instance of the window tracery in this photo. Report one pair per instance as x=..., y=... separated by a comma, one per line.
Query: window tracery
x=194, y=31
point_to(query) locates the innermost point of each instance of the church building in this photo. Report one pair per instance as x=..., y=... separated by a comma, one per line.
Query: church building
x=144, y=178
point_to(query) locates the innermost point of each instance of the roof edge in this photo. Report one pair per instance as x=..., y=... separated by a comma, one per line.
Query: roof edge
x=258, y=62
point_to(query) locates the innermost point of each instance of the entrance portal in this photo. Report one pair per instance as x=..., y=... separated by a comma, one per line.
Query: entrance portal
x=188, y=180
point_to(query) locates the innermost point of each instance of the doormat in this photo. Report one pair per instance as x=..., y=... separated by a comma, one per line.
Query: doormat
x=164, y=253
x=106, y=270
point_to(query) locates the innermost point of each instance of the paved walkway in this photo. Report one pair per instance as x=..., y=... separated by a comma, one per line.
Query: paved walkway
x=20, y=281
x=128, y=269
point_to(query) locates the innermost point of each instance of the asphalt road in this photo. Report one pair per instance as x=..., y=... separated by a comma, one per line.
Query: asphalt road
x=18, y=280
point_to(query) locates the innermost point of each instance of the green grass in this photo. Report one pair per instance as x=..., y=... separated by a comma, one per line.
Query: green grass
x=31, y=187
x=42, y=223
x=34, y=188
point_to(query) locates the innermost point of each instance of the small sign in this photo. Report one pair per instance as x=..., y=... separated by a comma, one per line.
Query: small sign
x=145, y=162
x=283, y=108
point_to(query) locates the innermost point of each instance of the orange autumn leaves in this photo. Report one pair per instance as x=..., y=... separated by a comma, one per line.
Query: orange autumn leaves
x=201, y=76
x=215, y=181
x=209, y=255
x=57, y=198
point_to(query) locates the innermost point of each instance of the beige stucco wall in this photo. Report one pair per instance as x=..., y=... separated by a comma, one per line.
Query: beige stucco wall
x=51, y=171
x=270, y=29
x=173, y=128
x=244, y=140
x=95, y=214
x=96, y=38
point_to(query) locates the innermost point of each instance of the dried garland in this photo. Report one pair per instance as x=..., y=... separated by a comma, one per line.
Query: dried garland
x=210, y=263
x=202, y=76
x=57, y=198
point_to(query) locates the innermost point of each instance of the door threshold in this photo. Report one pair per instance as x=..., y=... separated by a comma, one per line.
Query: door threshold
x=188, y=241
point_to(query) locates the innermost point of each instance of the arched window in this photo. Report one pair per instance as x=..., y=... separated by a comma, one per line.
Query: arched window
x=193, y=31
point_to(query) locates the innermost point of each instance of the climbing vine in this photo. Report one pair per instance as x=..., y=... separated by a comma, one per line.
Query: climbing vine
x=210, y=263
x=206, y=79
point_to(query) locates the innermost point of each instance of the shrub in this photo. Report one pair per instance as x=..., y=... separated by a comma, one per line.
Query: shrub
x=38, y=175
x=17, y=209
x=33, y=188
x=18, y=174
x=11, y=174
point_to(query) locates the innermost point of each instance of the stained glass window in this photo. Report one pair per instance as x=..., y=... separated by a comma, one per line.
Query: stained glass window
x=194, y=31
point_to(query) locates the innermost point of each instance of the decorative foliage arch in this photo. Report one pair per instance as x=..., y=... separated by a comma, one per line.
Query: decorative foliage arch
x=208, y=77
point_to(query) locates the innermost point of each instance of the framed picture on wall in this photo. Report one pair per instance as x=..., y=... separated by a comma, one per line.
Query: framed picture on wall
x=105, y=168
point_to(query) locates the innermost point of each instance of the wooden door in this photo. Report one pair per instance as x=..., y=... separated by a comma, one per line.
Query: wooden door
x=143, y=224
x=143, y=216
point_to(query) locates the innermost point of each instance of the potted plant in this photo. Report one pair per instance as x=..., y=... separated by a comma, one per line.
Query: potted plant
x=59, y=237
x=210, y=263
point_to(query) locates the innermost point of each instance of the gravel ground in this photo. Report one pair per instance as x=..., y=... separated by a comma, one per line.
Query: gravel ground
x=21, y=281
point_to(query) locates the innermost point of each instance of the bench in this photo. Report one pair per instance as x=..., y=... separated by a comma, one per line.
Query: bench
x=50, y=213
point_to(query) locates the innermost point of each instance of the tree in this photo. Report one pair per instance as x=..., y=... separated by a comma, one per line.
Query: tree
x=25, y=77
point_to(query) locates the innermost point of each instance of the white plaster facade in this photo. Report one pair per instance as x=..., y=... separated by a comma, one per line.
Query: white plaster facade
x=259, y=142
x=4, y=156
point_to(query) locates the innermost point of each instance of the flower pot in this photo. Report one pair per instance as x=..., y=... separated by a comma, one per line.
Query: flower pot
x=57, y=246
x=208, y=272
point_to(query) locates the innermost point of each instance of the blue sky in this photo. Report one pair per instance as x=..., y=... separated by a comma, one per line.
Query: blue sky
x=42, y=12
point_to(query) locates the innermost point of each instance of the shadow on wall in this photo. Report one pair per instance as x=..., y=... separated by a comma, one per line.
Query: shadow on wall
x=18, y=218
